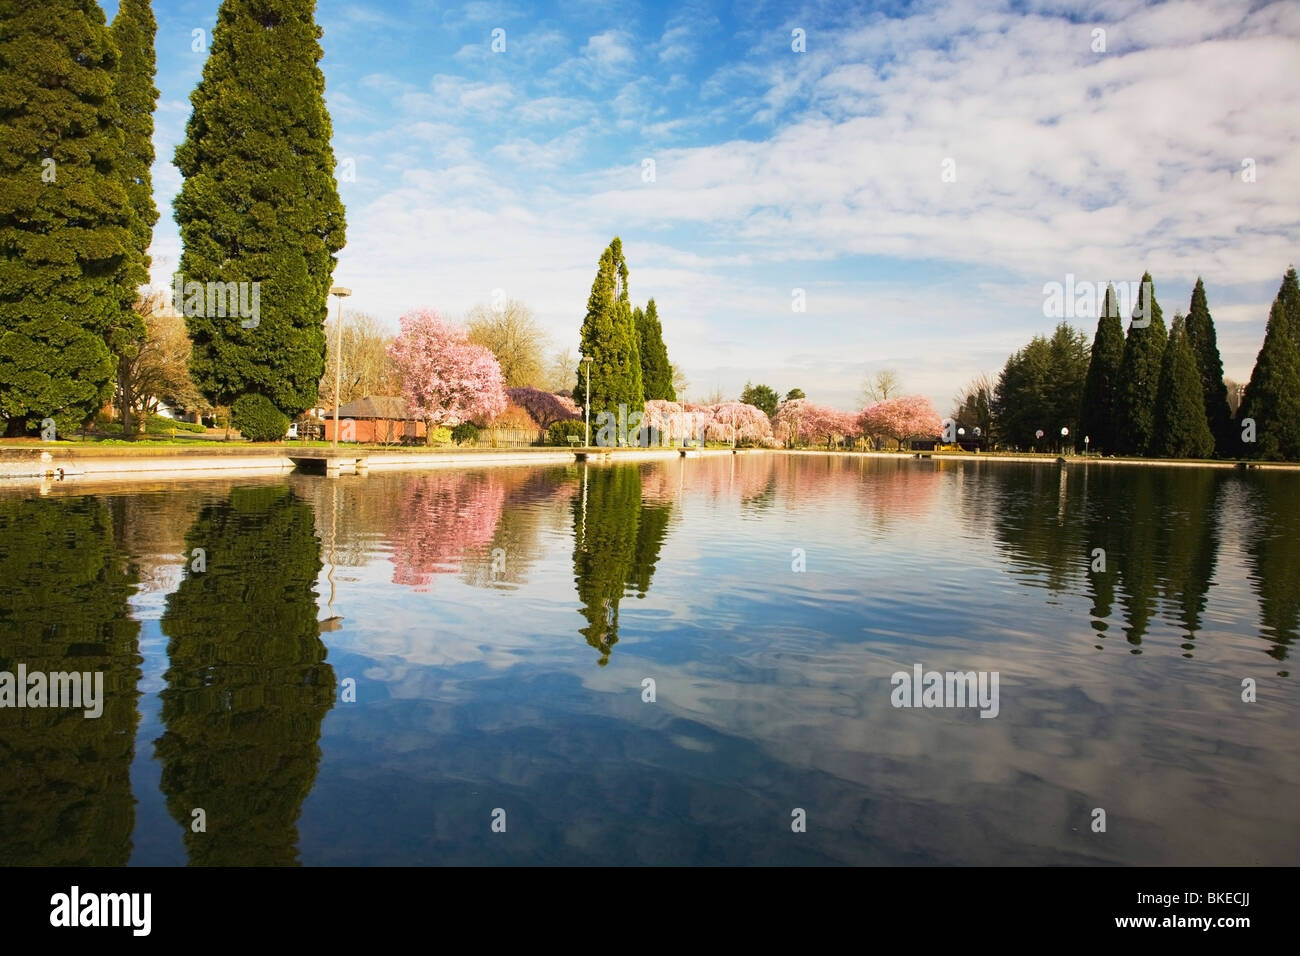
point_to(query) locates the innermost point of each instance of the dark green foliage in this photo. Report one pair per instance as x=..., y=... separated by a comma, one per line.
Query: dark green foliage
x=609, y=338
x=1181, y=429
x=464, y=433
x=134, y=29
x=1272, y=399
x=656, y=370
x=1209, y=365
x=761, y=396
x=1041, y=387
x=558, y=433
x=794, y=393
x=616, y=546
x=1098, y=416
x=65, y=793
x=1139, y=379
x=260, y=203
x=248, y=684
x=1271, y=540
x=257, y=419
x=67, y=268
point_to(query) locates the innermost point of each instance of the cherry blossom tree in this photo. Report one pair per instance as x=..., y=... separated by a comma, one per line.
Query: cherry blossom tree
x=901, y=418
x=800, y=420
x=545, y=407
x=445, y=378
x=442, y=517
x=737, y=422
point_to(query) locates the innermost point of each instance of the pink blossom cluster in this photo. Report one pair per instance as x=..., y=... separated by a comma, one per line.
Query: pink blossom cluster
x=545, y=407
x=445, y=378
x=911, y=416
x=808, y=423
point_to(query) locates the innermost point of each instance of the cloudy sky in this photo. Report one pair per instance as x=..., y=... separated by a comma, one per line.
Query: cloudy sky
x=920, y=171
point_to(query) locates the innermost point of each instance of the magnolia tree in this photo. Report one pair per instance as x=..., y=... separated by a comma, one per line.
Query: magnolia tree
x=446, y=379
x=901, y=418
x=545, y=407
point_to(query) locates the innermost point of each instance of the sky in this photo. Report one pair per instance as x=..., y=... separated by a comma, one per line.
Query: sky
x=921, y=171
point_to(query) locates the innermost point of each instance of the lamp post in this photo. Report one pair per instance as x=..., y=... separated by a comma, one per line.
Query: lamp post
x=1064, y=433
x=340, y=293
x=586, y=406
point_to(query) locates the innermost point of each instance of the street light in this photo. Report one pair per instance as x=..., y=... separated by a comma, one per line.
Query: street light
x=1064, y=433
x=341, y=293
x=586, y=406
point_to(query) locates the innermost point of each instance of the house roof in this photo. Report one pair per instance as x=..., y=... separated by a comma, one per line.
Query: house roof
x=372, y=406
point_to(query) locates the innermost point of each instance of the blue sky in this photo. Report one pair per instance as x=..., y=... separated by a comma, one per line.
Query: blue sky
x=822, y=170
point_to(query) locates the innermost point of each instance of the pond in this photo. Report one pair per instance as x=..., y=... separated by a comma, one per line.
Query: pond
x=740, y=659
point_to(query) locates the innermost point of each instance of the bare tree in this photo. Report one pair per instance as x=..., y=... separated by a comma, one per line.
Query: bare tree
x=367, y=370
x=715, y=397
x=562, y=373
x=1235, y=389
x=155, y=370
x=512, y=334
x=881, y=386
x=680, y=382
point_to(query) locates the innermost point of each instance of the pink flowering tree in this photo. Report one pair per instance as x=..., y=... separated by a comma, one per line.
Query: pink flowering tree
x=738, y=422
x=445, y=378
x=911, y=416
x=545, y=407
x=800, y=420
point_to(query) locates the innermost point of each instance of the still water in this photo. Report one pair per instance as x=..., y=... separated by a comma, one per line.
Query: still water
x=375, y=670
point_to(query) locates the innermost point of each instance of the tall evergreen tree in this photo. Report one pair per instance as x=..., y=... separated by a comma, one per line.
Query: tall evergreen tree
x=1272, y=399
x=1139, y=377
x=1181, y=428
x=1209, y=365
x=134, y=29
x=609, y=338
x=67, y=274
x=1100, y=390
x=260, y=204
x=656, y=371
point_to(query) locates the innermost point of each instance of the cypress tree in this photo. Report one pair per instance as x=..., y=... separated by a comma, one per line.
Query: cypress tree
x=609, y=338
x=1272, y=399
x=134, y=29
x=656, y=371
x=260, y=204
x=1100, y=390
x=1181, y=427
x=66, y=268
x=1209, y=364
x=1139, y=379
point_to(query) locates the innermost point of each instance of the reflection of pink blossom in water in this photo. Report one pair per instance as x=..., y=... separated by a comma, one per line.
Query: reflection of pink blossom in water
x=441, y=517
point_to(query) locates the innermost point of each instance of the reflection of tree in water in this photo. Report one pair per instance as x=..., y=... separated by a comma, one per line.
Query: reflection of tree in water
x=65, y=789
x=441, y=517
x=617, y=540
x=1272, y=544
x=1158, y=529
x=248, y=684
x=533, y=498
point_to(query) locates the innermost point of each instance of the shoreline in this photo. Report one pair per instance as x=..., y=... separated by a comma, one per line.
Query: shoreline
x=36, y=465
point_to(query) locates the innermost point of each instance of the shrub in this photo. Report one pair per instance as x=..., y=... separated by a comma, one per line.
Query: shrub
x=441, y=435
x=559, y=432
x=257, y=419
x=464, y=433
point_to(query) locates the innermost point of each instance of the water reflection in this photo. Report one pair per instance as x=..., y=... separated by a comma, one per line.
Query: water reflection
x=65, y=789
x=248, y=684
x=616, y=542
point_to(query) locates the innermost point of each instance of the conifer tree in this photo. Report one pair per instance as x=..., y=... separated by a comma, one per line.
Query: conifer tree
x=260, y=205
x=1101, y=387
x=1209, y=364
x=67, y=275
x=656, y=371
x=1181, y=427
x=134, y=29
x=1270, y=407
x=1139, y=379
x=609, y=338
